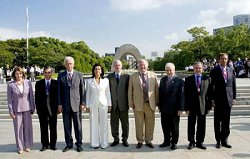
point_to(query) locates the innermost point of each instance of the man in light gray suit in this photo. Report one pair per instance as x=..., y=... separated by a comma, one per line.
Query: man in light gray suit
x=71, y=100
x=118, y=82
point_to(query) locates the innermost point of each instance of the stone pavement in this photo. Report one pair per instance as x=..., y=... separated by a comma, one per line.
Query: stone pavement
x=239, y=138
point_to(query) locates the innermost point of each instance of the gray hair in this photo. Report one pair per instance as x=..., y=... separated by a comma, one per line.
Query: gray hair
x=69, y=58
x=115, y=62
x=142, y=61
x=170, y=65
x=198, y=63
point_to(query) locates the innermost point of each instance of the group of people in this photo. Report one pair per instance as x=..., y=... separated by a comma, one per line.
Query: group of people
x=71, y=94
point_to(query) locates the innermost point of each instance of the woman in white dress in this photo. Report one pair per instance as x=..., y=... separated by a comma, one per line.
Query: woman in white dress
x=98, y=103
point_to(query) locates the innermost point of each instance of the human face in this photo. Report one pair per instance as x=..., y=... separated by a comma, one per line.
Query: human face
x=170, y=71
x=18, y=75
x=98, y=71
x=198, y=69
x=142, y=67
x=69, y=65
x=118, y=66
x=223, y=60
x=47, y=74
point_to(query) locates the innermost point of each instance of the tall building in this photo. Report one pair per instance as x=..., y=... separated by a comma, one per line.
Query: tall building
x=241, y=19
x=237, y=20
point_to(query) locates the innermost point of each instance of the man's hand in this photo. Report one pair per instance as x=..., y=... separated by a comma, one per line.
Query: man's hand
x=87, y=110
x=132, y=106
x=82, y=107
x=109, y=109
x=60, y=109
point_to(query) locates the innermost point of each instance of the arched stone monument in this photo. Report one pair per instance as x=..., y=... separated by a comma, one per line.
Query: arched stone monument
x=127, y=49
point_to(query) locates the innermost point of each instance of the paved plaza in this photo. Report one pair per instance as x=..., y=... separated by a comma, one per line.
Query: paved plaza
x=239, y=138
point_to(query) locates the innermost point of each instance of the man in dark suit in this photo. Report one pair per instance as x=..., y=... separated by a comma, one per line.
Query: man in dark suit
x=46, y=105
x=71, y=100
x=224, y=95
x=118, y=82
x=171, y=105
x=198, y=102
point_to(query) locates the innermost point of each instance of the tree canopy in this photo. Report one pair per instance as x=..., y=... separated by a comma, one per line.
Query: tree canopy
x=234, y=41
x=45, y=51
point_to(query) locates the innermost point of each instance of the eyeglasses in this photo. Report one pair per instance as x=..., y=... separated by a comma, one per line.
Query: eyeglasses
x=47, y=72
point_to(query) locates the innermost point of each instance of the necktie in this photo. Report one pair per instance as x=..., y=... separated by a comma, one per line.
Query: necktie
x=198, y=83
x=225, y=74
x=69, y=79
x=144, y=87
x=169, y=80
x=47, y=87
x=117, y=78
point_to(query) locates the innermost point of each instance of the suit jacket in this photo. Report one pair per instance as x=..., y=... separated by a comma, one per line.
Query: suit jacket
x=195, y=99
x=171, y=96
x=135, y=91
x=223, y=92
x=20, y=101
x=119, y=92
x=41, y=97
x=97, y=93
x=71, y=96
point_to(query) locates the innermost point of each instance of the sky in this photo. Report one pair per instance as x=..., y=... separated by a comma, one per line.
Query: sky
x=149, y=25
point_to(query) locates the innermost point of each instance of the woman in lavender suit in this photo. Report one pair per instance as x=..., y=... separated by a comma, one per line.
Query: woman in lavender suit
x=21, y=106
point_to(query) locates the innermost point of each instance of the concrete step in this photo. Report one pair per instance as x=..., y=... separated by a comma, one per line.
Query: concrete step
x=131, y=115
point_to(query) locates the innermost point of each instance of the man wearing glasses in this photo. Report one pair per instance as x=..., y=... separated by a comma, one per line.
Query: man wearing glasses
x=46, y=105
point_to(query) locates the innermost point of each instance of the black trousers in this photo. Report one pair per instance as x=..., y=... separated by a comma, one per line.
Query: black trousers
x=117, y=115
x=48, y=128
x=221, y=123
x=170, y=127
x=194, y=118
x=67, y=123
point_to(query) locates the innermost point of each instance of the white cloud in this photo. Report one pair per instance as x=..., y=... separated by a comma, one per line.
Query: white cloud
x=237, y=7
x=6, y=33
x=223, y=15
x=138, y=5
x=176, y=37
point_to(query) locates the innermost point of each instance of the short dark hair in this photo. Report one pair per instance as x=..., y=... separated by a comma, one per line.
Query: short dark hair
x=48, y=67
x=222, y=54
x=93, y=70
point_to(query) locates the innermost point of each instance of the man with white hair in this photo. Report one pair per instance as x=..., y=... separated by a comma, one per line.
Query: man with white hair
x=118, y=83
x=171, y=105
x=143, y=99
x=71, y=100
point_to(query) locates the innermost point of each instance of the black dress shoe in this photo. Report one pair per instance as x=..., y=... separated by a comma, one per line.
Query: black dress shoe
x=53, y=148
x=139, y=145
x=43, y=148
x=191, y=146
x=96, y=147
x=114, y=143
x=173, y=147
x=226, y=145
x=218, y=145
x=164, y=144
x=150, y=145
x=125, y=143
x=201, y=146
x=67, y=148
x=79, y=149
